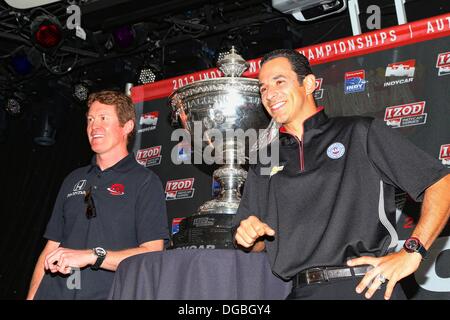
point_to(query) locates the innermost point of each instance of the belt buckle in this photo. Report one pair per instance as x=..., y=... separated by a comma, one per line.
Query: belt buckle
x=316, y=275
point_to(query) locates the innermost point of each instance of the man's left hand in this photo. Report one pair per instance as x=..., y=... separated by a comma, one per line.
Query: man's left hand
x=392, y=268
x=63, y=259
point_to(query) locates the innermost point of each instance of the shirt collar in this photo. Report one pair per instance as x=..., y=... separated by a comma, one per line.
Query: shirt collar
x=123, y=165
x=312, y=122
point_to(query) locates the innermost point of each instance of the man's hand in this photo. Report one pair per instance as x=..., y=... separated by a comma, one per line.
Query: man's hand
x=250, y=230
x=63, y=259
x=393, y=267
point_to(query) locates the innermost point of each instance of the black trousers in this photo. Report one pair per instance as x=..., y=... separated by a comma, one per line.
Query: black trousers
x=340, y=289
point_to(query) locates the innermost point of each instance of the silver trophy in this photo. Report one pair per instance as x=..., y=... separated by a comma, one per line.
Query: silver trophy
x=219, y=106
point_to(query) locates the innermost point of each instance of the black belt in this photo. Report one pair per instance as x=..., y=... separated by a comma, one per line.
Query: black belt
x=325, y=274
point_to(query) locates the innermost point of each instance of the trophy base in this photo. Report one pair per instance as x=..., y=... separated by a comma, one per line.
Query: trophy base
x=205, y=231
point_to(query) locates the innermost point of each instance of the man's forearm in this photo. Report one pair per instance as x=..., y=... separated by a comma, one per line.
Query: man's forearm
x=435, y=212
x=113, y=258
x=36, y=279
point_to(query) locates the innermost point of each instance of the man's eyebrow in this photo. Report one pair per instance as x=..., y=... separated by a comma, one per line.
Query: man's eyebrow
x=100, y=114
x=279, y=76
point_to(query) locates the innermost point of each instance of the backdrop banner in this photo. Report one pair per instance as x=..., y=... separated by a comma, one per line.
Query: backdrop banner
x=400, y=75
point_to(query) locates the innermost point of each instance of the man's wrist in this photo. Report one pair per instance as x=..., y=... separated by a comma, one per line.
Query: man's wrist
x=100, y=253
x=414, y=245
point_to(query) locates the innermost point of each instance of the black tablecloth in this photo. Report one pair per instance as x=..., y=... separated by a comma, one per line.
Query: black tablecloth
x=198, y=274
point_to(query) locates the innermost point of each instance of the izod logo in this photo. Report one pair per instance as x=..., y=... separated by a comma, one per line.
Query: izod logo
x=405, y=115
x=149, y=156
x=180, y=189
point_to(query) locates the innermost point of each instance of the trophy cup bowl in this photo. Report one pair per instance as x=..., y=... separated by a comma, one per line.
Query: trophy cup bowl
x=225, y=114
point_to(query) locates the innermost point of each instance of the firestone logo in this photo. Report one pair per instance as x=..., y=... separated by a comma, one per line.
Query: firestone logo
x=149, y=156
x=180, y=189
x=411, y=114
x=444, y=154
x=443, y=63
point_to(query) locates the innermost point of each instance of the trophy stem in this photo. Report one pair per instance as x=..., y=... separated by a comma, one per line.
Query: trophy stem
x=231, y=177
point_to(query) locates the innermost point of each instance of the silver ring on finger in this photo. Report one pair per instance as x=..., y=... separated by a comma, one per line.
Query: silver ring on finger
x=381, y=278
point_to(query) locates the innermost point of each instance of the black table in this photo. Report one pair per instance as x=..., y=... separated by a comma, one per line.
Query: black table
x=197, y=275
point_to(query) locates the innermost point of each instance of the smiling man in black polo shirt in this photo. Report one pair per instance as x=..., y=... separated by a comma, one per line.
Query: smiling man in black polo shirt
x=105, y=212
x=326, y=214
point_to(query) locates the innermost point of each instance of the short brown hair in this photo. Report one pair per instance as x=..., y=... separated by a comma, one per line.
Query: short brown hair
x=124, y=106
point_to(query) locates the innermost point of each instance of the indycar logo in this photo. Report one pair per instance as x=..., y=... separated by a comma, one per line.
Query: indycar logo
x=443, y=63
x=148, y=121
x=180, y=189
x=403, y=70
x=149, y=157
x=411, y=114
x=355, y=81
x=318, y=92
x=444, y=154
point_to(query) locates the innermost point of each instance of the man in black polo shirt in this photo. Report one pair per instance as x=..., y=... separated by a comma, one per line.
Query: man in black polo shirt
x=105, y=212
x=326, y=213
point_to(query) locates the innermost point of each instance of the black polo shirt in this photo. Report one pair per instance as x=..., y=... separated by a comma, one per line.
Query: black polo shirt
x=130, y=210
x=332, y=196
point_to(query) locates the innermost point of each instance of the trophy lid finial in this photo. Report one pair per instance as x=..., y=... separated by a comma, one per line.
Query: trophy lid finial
x=232, y=64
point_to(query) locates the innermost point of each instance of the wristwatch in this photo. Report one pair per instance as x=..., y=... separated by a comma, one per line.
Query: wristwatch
x=413, y=244
x=101, y=254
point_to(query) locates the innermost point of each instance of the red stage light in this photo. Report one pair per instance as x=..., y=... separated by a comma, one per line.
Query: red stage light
x=46, y=32
x=48, y=35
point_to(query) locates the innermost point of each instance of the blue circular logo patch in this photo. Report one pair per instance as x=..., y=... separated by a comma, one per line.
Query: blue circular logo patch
x=336, y=150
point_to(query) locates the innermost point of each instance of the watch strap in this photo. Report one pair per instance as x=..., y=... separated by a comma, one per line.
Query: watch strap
x=99, y=261
x=422, y=251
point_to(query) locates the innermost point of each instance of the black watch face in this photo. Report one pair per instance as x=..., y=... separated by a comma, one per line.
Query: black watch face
x=412, y=244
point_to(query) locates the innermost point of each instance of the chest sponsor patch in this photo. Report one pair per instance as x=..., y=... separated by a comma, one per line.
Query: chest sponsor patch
x=336, y=150
x=116, y=189
x=78, y=189
x=275, y=170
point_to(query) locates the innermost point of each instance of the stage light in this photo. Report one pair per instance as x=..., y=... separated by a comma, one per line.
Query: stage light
x=309, y=10
x=46, y=33
x=21, y=64
x=149, y=71
x=124, y=36
x=13, y=106
x=81, y=91
x=146, y=76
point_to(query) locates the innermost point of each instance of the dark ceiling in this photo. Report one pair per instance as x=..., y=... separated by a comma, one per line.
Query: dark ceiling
x=173, y=37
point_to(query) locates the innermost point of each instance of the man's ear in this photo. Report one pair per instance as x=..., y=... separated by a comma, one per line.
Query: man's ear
x=129, y=126
x=309, y=83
